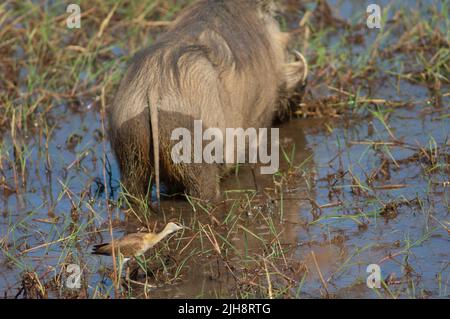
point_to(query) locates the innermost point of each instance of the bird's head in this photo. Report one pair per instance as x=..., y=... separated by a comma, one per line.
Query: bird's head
x=173, y=227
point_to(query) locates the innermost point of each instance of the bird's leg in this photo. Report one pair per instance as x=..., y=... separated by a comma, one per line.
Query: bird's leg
x=134, y=273
x=127, y=275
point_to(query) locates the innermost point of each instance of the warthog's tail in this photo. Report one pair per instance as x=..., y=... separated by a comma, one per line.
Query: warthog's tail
x=153, y=110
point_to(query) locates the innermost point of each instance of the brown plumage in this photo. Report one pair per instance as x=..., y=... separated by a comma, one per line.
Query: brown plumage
x=134, y=245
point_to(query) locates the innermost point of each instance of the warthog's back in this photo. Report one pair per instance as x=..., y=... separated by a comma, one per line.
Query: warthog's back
x=221, y=62
x=221, y=47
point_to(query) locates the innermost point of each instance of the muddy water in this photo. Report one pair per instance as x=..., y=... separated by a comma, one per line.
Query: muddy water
x=328, y=229
x=343, y=247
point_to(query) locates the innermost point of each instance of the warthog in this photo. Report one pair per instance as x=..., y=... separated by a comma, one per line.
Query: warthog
x=224, y=62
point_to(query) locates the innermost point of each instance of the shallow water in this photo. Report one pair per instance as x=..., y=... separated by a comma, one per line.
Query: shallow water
x=330, y=231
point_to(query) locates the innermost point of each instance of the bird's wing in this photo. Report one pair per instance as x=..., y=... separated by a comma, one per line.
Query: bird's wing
x=131, y=249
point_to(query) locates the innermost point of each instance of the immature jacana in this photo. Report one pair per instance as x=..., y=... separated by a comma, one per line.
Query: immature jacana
x=135, y=245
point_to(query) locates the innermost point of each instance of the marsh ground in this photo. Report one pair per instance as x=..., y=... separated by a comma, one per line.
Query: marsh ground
x=364, y=176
